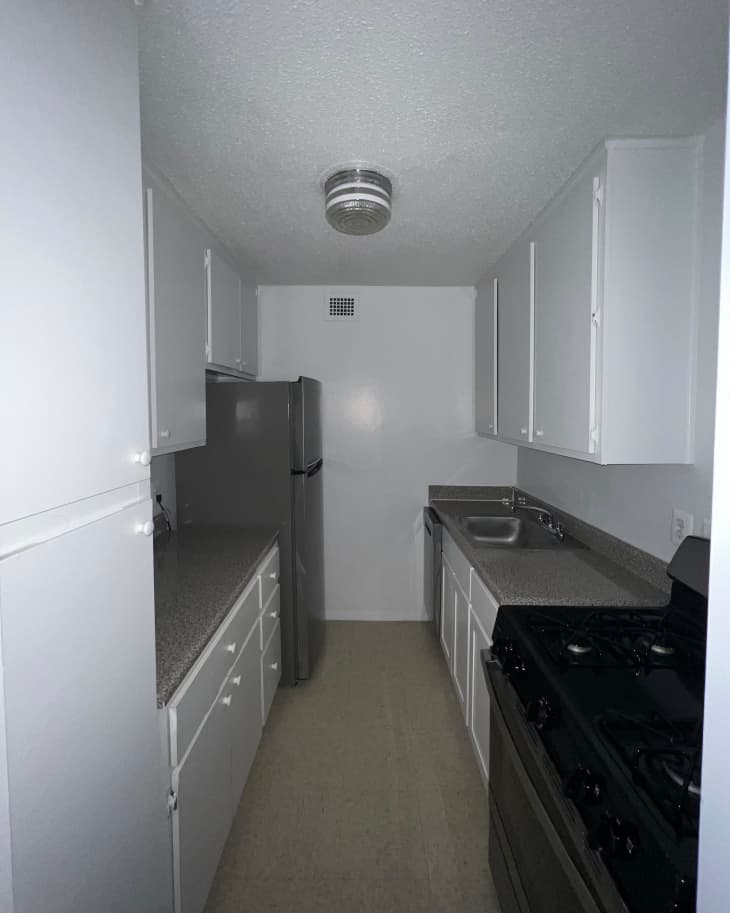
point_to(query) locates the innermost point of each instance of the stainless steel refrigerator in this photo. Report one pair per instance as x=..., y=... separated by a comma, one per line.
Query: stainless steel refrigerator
x=262, y=465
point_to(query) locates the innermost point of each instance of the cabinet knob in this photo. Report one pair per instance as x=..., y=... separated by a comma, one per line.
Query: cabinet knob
x=226, y=701
x=273, y=576
x=539, y=432
x=145, y=529
x=273, y=614
x=490, y=426
x=236, y=680
x=523, y=430
x=163, y=434
x=238, y=360
x=142, y=457
x=273, y=666
x=231, y=648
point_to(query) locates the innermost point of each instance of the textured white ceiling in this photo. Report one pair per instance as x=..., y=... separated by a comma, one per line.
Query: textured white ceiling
x=480, y=109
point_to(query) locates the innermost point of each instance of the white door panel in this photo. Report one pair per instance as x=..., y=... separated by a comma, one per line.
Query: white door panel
x=564, y=272
x=514, y=347
x=176, y=295
x=73, y=334
x=88, y=813
x=224, y=313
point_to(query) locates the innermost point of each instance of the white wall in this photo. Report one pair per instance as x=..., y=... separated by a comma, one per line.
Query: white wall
x=635, y=502
x=398, y=414
x=714, y=872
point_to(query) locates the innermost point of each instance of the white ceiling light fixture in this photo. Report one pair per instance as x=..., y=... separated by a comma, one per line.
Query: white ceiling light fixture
x=358, y=201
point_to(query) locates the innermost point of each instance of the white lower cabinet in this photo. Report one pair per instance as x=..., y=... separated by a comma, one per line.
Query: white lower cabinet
x=270, y=671
x=245, y=692
x=478, y=718
x=448, y=596
x=467, y=623
x=213, y=764
x=460, y=669
x=204, y=810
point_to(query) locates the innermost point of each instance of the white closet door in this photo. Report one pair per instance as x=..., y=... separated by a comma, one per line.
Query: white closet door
x=73, y=325
x=88, y=805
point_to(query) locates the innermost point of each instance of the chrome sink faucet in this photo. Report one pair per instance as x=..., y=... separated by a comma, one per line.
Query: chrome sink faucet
x=544, y=517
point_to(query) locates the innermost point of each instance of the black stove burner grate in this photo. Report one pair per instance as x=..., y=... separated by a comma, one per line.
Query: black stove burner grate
x=664, y=757
x=626, y=639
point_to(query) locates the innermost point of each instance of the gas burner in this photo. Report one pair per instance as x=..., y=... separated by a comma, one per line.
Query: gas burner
x=579, y=646
x=664, y=757
x=675, y=769
x=662, y=647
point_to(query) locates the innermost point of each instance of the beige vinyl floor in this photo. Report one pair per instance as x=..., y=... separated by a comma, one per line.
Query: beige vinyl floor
x=365, y=795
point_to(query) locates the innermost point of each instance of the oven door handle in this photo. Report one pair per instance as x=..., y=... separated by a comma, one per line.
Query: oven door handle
x=546, y=826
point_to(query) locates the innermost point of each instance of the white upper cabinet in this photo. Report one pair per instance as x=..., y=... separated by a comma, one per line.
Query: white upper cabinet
x=485, y=334
x=566, y=248
x=514, y=346
x=597, y=309
x=249, y=330
x=176, y=300
x=73, y=335
x=224, y=313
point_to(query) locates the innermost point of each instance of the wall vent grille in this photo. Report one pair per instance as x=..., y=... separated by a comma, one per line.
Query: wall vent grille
x=340, y=307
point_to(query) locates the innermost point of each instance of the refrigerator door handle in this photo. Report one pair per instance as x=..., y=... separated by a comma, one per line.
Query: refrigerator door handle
x=310, y=471
x=315, y=468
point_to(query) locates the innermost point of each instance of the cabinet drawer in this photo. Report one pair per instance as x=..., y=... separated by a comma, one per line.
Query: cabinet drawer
x=459, y=565
x=201, y=685
x=483, y=604
x=270, y=671
x=269, y=617
x=269, y=574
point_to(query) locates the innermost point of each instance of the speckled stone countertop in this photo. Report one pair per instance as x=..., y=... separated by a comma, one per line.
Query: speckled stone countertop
x=607, y=572
x=199, y=573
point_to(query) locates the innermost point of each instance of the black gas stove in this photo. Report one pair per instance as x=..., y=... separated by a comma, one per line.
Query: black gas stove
x=613, y=699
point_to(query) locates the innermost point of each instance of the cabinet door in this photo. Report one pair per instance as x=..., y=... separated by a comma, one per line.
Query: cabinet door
x=448, y=596
x=244, y=686
x=204, y=809
x=485, y=357
x=249, y=330
x=73, y=330
x=224, y=313
x=461, y=645
x=565, y=273
x=514, y=344
x=88, y=807
x=176, y=296
x=478, y=716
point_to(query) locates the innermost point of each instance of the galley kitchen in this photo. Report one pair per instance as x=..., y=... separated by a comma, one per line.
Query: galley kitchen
x=365, y=523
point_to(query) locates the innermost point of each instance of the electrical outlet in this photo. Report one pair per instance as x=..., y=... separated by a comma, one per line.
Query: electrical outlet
x=682, y=525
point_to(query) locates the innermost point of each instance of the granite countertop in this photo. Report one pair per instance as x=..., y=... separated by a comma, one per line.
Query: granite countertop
x=607, y=572
x=199, y=573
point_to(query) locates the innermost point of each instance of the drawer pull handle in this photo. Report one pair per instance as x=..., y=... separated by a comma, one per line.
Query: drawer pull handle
x=236, y=680
x=231, y=648
x=226, y=701
x=164, y=434
x=273, y=666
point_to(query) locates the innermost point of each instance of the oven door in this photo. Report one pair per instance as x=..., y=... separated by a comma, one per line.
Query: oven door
x=537, y=850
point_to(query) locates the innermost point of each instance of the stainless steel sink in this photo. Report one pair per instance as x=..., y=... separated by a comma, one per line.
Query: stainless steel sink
x=512, y=532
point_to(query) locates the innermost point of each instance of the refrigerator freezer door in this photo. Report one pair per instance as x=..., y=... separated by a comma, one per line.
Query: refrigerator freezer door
x=306, y=423
x=308, y=567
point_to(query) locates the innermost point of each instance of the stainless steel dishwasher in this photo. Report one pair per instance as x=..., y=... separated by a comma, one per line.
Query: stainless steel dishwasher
x=432, y=566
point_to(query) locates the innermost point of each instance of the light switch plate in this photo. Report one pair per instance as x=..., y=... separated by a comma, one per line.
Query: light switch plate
x=682, y=525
